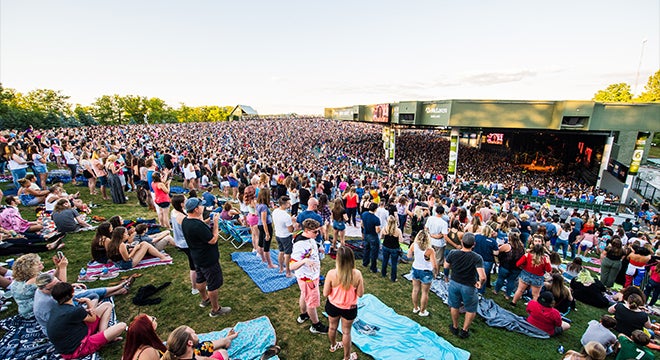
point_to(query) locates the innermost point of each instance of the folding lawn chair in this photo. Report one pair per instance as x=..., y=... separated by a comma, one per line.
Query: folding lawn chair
x=238, y=239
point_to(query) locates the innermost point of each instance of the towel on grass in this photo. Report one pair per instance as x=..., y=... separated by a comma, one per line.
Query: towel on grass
x=268, y=280
x=95, y=269
x=254, y=337
x=394, y=336
x=493, y=314
x=25, y=340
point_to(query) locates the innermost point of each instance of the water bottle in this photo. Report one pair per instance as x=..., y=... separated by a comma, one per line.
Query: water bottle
x=104, y=271
x=82, y=273
x=560, y=349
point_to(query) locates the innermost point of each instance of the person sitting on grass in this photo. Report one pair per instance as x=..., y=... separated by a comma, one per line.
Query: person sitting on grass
x=183, y=343
x=77, y=332
x=159, y=240
x=591, y=351
x=68, y=219
x=125, y=258
x=634, y=347
x=11, y=219
x=44, y=302
x=601, y=332
x=544, y=317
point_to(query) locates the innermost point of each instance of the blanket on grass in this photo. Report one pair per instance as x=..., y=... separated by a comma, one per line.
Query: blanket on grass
x=254, y=337
x=95, y=269
x=268, y=280
x=382, y=333
x=25, y=340
x=493, y=314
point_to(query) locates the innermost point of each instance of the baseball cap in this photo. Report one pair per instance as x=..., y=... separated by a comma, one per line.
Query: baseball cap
x=193, y=203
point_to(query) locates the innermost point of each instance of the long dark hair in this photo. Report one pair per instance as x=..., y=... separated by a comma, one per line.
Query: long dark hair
x=116, y=240
x=141, y=333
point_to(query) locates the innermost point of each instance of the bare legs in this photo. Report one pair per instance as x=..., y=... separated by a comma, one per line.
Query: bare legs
x=144, y=248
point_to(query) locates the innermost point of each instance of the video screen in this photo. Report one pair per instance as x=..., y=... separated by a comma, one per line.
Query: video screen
x=495, y=139
x=382, y=113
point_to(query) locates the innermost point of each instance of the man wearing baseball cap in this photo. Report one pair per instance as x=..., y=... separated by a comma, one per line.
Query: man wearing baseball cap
x=203, y=244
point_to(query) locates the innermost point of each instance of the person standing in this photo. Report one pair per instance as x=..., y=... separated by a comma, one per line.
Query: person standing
x=283, y=233
x=438, y=230
x=203, y=244
x=370, y=231
x=343, y=286
x=467, y=277
x=265, y=226
x=424, y=269
x=306, y=265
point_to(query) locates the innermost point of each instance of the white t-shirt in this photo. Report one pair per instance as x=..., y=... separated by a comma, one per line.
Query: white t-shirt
x=281, y=222
x=303, y=249
x=382, y=215
x=436, y=225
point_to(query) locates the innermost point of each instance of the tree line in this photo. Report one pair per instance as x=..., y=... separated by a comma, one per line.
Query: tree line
x=46, y=108
x=621, y=92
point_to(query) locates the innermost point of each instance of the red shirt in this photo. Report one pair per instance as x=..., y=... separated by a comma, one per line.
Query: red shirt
x=608, y=221
x=544, y=318
x=527, y=264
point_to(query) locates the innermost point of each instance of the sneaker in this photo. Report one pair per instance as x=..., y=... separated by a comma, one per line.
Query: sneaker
x=424, y=313
x=194, y=291
x=318, y=328
x=302, y=318
x=222, y=311
x=415, y=310
x=453, y=330
x=464, y=334
x=205, y=303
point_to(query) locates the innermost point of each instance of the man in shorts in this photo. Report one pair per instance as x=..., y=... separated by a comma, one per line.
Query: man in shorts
x=283, y=228
x=203, y=244
x=467, y=277
x=76, y=331
x=306, y=265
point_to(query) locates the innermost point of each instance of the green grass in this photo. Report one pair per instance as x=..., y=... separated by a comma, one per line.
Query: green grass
x=180, y=307
x=654, y=152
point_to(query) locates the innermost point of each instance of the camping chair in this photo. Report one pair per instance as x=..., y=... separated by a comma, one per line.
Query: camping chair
x=238, y=239
x=227, y=225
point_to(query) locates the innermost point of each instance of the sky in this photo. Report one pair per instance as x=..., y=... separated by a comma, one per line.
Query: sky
x=301, y=56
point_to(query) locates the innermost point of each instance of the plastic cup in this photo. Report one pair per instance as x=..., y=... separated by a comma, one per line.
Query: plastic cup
x=10, y=262
x=326, y=246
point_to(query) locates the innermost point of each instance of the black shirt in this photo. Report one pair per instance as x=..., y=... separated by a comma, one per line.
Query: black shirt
x=464, y=266
x=198, y=235
x=66, y=327
x=304, y=196
x=391, y=241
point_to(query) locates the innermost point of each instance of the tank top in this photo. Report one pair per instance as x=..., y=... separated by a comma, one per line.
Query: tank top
x=391, y=241
x=342, y=298
x=179, y=239
x=351, y=201
x=419, y=263
x=160, y=196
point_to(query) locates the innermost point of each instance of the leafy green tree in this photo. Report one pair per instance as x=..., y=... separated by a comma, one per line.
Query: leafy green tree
x=158, y=111
x=614, y=93
x=652, y=89
x=107, y=109
x=133, y=108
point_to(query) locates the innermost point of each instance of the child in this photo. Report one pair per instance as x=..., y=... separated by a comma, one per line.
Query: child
x=573, y=269
x=601, y=332
x=159, y=240
x=634, y=347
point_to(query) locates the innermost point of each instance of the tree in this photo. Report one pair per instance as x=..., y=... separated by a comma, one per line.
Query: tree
x=614, y=93
x=652, y=93
x=107, y=110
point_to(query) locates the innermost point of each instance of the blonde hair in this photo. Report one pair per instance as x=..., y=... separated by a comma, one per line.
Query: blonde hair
x=391, y=225
x=423, y=240
x=26, y=267
x=177, y=343
x=345, y=266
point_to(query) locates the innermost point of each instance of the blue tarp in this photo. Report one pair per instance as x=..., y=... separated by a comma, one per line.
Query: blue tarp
x=254, y=337
x=399, y=337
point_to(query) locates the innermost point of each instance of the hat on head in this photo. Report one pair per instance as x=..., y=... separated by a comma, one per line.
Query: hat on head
x=193, y=203
x=546, y=298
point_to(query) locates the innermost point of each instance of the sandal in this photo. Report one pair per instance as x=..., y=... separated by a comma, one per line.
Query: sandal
x=270, y=352
x=338, y=345
x=353, y=356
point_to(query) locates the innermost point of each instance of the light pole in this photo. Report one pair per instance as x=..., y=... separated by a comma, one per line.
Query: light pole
x=639, y=66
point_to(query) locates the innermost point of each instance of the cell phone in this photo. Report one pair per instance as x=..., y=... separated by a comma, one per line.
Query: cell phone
x=60, y=255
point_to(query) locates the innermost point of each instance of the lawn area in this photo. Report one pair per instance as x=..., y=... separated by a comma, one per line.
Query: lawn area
x=180, y=307
x=654, y=152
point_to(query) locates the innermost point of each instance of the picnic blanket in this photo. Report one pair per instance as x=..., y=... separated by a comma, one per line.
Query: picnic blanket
x=95, y=269
x=254, y=337
x=268, y=280
x=493, y=314
x=382, y=333
x=25, y=340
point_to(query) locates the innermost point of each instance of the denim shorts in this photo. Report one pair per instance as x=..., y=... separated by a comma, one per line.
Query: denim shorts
x=425, y=276
x=463, y=294
x=338, y=225
x=39, y=169
x=531, y=279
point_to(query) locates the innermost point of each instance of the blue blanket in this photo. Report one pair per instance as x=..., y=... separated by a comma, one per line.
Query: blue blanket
x=254, y=337
x=25, y=340
x=268, y=280
x=384, y=334
x=493, y=314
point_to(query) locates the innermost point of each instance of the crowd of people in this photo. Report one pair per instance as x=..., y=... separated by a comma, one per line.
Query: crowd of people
x=301, y=183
